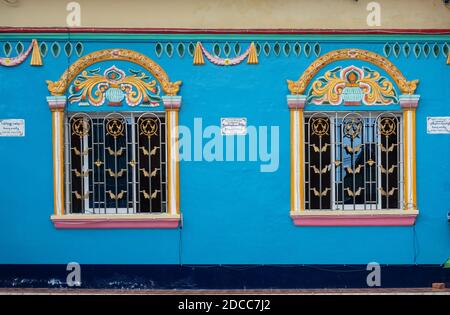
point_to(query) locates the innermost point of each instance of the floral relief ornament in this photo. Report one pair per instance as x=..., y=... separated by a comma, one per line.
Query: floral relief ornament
x=299, y=86
x=59, y=87
x=352, y=86
x=114, y=86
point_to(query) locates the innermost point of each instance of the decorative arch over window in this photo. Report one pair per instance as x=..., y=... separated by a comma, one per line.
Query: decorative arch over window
x=352, y=86
x=59, y=87
x=103, y=153
x=298, y=87
x=353, y=151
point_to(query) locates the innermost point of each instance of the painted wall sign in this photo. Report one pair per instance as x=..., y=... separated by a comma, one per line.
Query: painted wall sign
x=438, y=125
x=233, y=126
x=12, y=127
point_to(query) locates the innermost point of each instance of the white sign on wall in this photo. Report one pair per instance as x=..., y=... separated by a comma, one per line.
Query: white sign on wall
x=438, y=125
x=12, y=127
x=233, y=126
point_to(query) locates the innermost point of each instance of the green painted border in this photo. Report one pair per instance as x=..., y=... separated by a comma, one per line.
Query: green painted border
x=228, y=37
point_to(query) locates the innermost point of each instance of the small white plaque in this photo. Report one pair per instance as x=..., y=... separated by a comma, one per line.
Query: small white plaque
x=233, y=126
x=12, y=127
x=438, y=125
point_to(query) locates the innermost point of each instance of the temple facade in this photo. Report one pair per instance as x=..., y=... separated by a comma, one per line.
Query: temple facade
x=196, y=155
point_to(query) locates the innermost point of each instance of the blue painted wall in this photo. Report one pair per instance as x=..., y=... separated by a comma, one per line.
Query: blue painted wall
x=233, y=213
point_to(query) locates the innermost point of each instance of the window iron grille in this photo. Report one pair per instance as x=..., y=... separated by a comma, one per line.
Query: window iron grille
x=353, y=161
x=115, y=163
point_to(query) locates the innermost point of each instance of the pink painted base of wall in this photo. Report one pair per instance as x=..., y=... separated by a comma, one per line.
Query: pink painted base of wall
x=89, y=223
x=354, y=220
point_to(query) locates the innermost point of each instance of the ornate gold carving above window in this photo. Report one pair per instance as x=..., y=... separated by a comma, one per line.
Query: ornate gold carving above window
x=59, y=87
x=352, y=86
x=299, y=86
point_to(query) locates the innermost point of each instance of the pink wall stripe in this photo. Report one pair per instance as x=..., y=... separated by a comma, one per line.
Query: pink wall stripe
x=354, y=220
x=116, y=223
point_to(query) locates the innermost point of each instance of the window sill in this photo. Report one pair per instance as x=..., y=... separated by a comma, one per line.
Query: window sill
x=354, y=218
x=116, y=221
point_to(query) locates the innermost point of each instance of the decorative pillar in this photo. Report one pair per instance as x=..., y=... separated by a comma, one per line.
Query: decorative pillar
x=409, y=104
x=57, y=104
x=296, y=103
x=172, y=105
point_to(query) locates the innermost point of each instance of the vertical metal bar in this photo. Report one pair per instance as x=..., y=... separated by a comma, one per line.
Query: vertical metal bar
x=400, y=160
x=100, y=143
x=164, y=164
x=332, y=165
x=160, y=164
x=84, y=163
x=306, y=148
x=67, y=157
x=133, y=157
x=115, y=177
x=104, y=163
x=370, y=141
x=149, y=148
x=138, y=161
x=341, y=121
x=126, y=163
x=96, y=185
x=66, y=166
x=320, y=173
x=69, y=173
x=339, y=165
x=352, y=144
x=363, y=140
x=90, y=168
x=378, y=164
x=309, y=164
x=386, y=169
